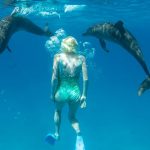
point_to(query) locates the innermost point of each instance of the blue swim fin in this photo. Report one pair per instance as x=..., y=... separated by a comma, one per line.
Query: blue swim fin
x=51, y=139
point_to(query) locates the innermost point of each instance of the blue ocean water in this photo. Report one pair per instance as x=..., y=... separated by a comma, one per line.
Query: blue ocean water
x=115, y=117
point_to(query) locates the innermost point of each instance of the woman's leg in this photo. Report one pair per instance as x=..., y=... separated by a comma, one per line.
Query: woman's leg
x=73, y=106
x=57, y=117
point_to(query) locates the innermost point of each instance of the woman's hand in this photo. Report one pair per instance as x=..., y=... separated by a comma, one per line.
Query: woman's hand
x=83, y=101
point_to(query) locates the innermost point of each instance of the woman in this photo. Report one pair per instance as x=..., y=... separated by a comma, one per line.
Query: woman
x=67, y=67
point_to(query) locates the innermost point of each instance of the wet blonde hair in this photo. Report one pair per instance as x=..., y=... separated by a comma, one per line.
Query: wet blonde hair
x=69, y=45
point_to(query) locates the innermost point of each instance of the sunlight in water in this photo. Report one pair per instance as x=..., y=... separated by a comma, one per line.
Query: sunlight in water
x=39, y=9
x=69, y=8
x=79, y=143
x=45, y=9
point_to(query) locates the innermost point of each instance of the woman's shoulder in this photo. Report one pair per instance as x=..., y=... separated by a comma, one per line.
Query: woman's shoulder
x=58, y=55
x=81, y=57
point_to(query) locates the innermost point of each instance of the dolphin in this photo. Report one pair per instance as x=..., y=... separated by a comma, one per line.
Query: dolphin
x=118, y=34
x=13, y=23
x=145, y=85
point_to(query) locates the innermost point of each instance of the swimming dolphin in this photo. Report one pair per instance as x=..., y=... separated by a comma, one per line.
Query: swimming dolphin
x=11, y=24
x=145, y=85
x=118, y=34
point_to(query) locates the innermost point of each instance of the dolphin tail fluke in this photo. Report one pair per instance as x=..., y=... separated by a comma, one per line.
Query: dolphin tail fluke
x=141, y=88
x=145, y=85
x=103, y=44
x=140, y=91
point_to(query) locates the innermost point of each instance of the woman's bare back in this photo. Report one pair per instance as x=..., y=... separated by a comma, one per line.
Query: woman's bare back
x=70, y=65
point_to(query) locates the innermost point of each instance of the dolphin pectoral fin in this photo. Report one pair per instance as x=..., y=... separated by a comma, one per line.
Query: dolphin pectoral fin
x=103, y=45
x=9, y=49
x=119, y=26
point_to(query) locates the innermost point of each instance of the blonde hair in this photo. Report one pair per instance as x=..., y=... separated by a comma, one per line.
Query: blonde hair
x=69, y=45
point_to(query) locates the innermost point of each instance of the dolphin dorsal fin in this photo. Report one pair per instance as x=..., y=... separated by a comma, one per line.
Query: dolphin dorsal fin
x=119, y=26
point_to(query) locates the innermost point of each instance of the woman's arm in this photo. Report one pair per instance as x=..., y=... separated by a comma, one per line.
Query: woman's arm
x=85, y=83
x=54, y=80
x=85, y=77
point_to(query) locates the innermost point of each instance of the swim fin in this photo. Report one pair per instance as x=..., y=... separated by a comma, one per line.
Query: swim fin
x=79, y=143
x=51, y=138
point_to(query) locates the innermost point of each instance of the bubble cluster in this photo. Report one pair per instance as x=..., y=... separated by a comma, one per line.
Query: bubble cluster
x=70, y=8
x=88, y=50
x=53, y=44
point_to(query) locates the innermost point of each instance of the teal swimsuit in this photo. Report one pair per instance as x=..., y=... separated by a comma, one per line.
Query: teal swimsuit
x=68, y=84
x=68, y=91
